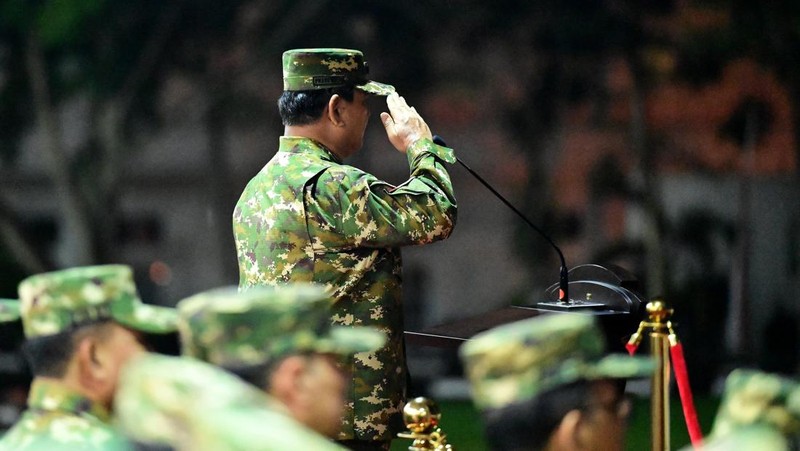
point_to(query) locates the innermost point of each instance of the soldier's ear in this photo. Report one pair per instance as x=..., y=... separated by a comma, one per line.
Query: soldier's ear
x=334, y=110
x=287, y=378
x=87, y=361
x=568, y=432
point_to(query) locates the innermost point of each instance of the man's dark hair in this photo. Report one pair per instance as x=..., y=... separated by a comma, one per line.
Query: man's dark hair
x=305, y=107
x=260, y=375
x=257, y=375
x=528, y=425
x=49, y=355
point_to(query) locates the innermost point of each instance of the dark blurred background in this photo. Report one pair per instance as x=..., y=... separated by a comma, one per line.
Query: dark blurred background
x=660, y=136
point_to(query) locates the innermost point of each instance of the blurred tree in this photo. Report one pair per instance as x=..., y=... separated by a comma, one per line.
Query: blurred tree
x=636, y=42
x=107, y=52
x=766, y=32
x=116, y=56
x=701, y=243
x=574, y=43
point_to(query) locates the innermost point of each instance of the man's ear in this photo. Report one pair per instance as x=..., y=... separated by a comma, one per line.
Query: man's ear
x=334, y=110
x=90, y=368
x=287, y=381
x=567, y=433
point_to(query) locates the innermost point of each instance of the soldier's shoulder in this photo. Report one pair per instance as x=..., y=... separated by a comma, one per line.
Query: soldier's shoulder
x=56, y=430
x=343, y=174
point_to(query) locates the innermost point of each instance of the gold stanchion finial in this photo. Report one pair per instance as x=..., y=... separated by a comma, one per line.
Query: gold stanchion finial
x=421, y=416
x=657, y=311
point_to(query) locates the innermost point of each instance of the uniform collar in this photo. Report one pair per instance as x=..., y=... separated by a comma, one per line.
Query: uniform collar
x=48, y=395
x=301, y=144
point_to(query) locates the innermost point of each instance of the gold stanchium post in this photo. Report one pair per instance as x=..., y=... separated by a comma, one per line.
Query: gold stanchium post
x=421, y=416
x=661, y=331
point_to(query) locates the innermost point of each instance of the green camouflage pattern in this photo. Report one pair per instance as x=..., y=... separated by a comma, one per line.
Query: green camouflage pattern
x=518, y=361
x=59, y=418
x=757, y=398
x=311, y=69
x=9, y=310
x=305, y=217
x=58, y=301
x=746, y=438
x=263, y=324
x=191, y=405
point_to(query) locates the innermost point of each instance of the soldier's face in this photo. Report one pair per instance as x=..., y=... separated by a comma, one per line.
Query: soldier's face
x=113, y=351
x=324, y=384
x=604, y=420
x=356, y=117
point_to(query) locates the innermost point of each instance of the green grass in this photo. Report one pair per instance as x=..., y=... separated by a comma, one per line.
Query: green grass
x=461, y=423
x=639, y=430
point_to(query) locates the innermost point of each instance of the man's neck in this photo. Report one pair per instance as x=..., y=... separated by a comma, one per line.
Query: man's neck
x=59, y=393
x=72, y=381
x=64, y=382
x=315, y=132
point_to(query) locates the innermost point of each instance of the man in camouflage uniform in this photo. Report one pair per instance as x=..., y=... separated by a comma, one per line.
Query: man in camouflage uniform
x=193, y=406
x=545, y=384
x=81, y=326
x=279, y=339
x=758, y=411
x=307, y=217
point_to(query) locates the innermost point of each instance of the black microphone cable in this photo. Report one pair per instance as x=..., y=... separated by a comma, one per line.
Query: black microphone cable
x=563, y=280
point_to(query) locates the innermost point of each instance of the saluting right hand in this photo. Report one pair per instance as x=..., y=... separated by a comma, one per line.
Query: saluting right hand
x=404, y=126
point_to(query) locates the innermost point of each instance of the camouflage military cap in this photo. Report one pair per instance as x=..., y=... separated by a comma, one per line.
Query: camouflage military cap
x=747, y=438
x=58, y=301
x=310, y=69
x=191, y=405
x=9, y=310
x=238, y=329
x=757, y=398
x=518, y=361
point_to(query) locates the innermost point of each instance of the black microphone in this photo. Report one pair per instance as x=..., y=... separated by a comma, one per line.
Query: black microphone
x=563, y=280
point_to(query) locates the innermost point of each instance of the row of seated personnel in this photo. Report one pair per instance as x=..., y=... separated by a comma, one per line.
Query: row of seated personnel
x=264, y=369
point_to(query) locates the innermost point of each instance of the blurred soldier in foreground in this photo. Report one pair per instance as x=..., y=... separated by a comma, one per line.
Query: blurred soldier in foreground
x=190, y=405
x=14, y=375
x=758, y=411
x=307, y=217
x=9, y=310
x=545, y=384
x=281, y=341
x=81, y=326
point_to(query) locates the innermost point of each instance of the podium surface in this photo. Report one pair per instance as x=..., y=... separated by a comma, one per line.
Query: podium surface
x=616, y=325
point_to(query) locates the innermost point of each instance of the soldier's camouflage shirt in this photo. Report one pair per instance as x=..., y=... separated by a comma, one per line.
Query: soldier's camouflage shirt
x=307, y=217
x=61, y=419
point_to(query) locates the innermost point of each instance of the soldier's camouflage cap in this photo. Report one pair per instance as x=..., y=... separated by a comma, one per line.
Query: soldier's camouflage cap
x=747, y=438
x=311, y=69
x=192, y=405
x=755, y=398
x=9, y=310
x=519, y=361
x=58, y=301
x=236, y=329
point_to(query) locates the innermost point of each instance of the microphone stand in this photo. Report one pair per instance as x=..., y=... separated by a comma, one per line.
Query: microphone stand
x=564, y=301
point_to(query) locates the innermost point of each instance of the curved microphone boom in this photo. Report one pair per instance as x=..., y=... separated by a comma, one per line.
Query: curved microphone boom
x=563, y=280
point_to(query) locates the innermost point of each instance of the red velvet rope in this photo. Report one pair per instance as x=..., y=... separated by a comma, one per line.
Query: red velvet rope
x=687, y=401
x=682, y=378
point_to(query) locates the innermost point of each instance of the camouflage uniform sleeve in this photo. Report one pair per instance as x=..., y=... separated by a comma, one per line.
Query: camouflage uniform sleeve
x=366, y=212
